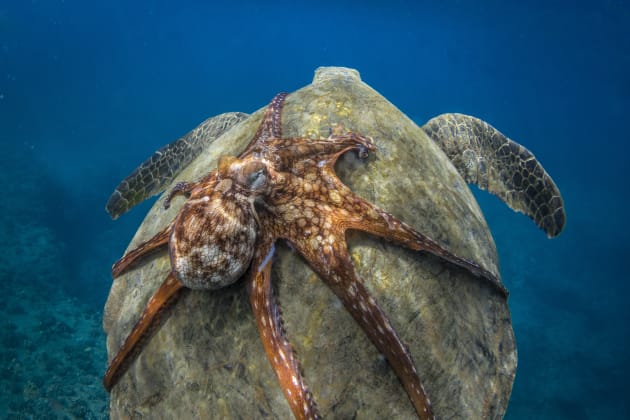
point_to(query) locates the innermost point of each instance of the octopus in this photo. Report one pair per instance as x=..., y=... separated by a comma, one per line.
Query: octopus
x=281, y=189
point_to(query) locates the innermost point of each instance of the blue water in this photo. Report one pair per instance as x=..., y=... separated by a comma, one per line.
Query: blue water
x=88, y=90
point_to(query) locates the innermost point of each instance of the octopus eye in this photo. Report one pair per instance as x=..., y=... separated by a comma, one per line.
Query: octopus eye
x=252, y=175
x=257, y=180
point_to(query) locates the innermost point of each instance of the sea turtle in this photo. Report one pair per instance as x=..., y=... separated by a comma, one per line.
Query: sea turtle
x=449, y=312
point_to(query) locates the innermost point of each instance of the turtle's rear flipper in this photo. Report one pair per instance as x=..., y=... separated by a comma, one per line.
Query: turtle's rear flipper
x=159, y=170
x=484, y=156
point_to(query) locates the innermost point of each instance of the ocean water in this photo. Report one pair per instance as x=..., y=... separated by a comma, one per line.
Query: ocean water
x=89, y=89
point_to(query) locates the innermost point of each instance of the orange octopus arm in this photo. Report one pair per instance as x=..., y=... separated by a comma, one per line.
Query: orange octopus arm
x=336, y=269
x=154, y=244
x=278, y=349
x=149, y=321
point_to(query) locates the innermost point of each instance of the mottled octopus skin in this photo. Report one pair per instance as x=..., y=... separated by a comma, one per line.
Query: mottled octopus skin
x=281, y=188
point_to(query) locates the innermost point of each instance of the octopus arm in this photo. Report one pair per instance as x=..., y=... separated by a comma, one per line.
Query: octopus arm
x=270, y=128
x=148, y=323
x=299, y=154
x=153, y=245
x=380, y=223
x=278, y=349
x=335, y=267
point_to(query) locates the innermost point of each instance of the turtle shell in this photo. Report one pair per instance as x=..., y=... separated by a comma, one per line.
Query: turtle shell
x=207, y=360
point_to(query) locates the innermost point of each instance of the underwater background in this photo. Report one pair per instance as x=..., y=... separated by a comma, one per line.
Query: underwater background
x=88, y=90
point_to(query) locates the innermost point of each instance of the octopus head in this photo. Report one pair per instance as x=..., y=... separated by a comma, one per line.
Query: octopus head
x=250, y=176
x=213, y=238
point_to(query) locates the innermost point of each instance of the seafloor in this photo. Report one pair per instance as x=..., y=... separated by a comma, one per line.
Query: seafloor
x=52, y=349
x=51, y=356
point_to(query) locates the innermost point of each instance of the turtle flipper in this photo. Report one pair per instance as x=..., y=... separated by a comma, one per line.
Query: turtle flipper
x=486, y=157
x=155, y=173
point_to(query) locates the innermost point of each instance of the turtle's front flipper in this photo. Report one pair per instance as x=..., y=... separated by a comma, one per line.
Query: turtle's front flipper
x=155, y=173
x=485, y=157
